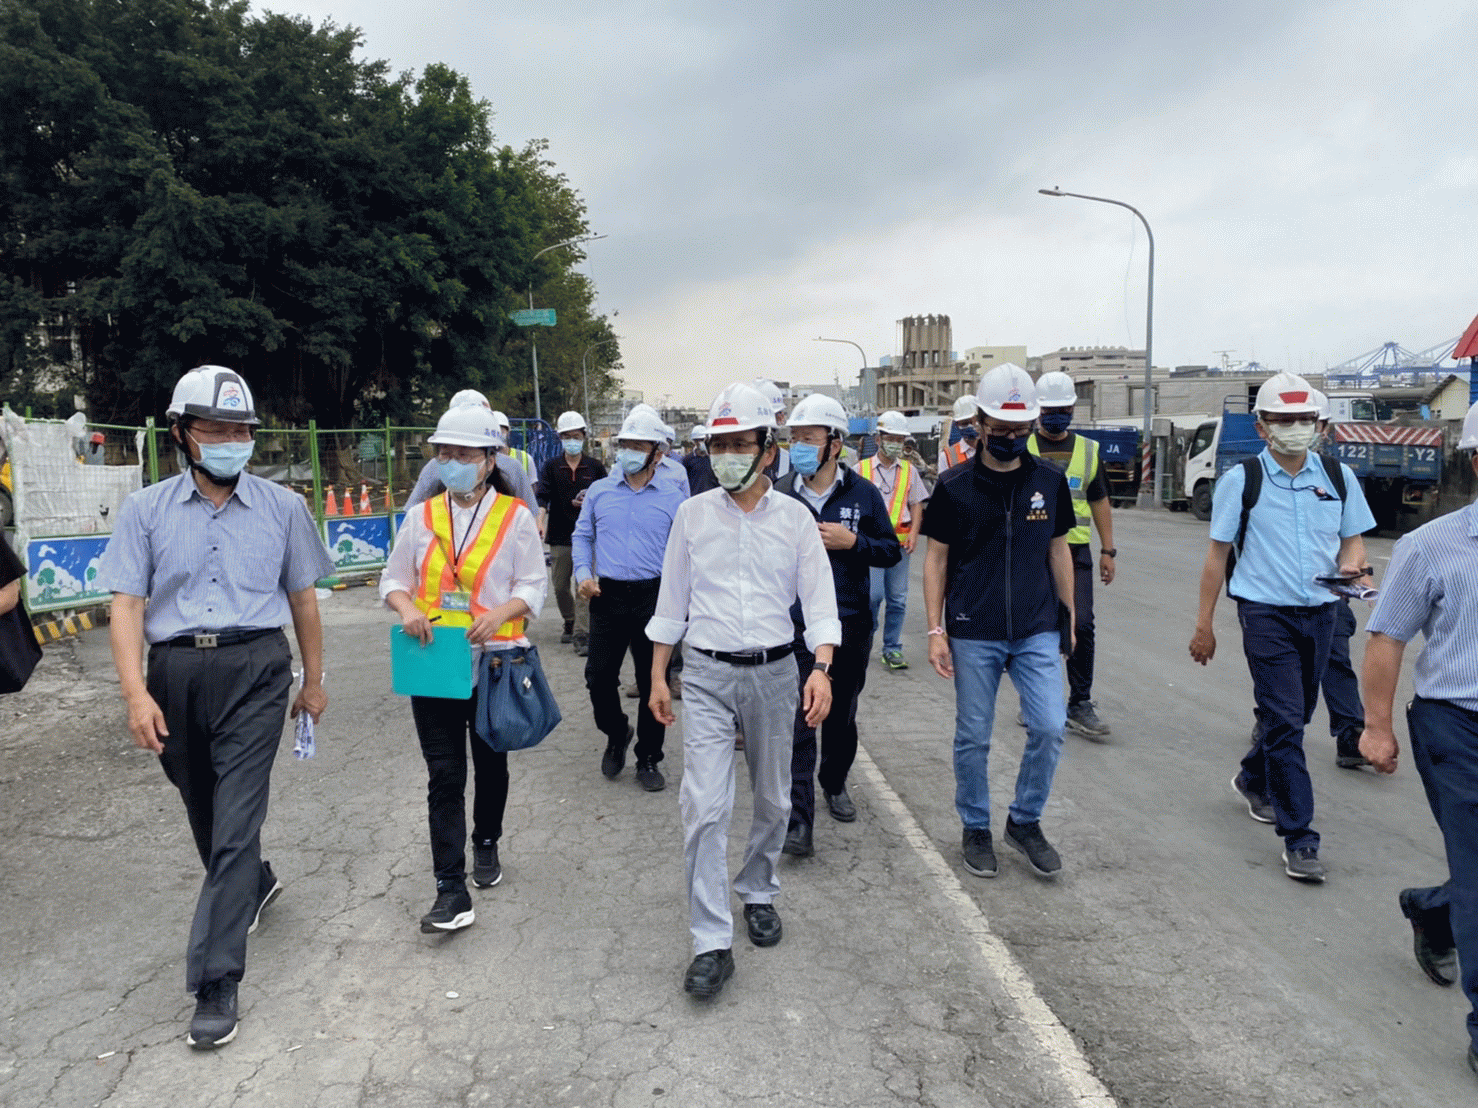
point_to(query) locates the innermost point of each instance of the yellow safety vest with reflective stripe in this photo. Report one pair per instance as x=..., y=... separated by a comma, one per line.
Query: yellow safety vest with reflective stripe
x=1082, y=468
x=440, y=574
x=524, y=459
x=899, y=500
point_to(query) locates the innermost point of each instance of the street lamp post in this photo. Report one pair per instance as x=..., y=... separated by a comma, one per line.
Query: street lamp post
x=861, y=377
x=585, y=377
x=534, y=335
x=1147, y=498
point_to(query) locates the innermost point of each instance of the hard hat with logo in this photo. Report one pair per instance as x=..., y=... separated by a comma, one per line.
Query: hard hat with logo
x=892, y=423
x=1469, y=441
x=819, y=410
x=213, y=392
x=1055, y=390
x=570, y=421
x=699, y=432
x=771, y=392
x=467, y=425
x=965, y=408
x=740, y=407
x=642, y=427
x=1287, y=394
x=1007, y=393
x=468, y=396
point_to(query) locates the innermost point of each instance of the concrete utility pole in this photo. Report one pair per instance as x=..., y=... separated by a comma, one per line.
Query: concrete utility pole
x=534, y=335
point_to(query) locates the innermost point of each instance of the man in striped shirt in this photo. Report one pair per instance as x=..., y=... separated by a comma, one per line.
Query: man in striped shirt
x=1432, y=587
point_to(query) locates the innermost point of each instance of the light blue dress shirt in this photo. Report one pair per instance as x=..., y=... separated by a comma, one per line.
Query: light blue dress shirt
x=1293, y=535
x=624, y=530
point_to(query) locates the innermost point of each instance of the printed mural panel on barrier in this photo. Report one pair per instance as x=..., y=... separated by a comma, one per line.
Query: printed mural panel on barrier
x=63, y=573
x=360, y=542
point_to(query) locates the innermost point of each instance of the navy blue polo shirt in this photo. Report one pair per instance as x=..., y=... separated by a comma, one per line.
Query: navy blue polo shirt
x=998, y=527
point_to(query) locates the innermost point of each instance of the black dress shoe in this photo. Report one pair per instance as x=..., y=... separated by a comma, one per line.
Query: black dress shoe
x=798, y=841
x=708, y=972
x=1435, y=954
x=763, y=923
x=841, y=806
x=614, y=759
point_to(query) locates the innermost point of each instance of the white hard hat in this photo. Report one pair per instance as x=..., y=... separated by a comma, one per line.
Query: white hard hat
x=699, y=432
x=643, y=406
x=501, y=420
x=669, y=432
x=1055, y=390
x=1007, y=393
x=1321, y=403
x=1469, y=441
x=570, y=421
x=1287, y=394
x=771, y=392
x=965, y=408
x=740, y=407
x=467, y=425
x=642, y=427
x=213, y=392
x=892, y=423
x=468, y=396
x=819, y=410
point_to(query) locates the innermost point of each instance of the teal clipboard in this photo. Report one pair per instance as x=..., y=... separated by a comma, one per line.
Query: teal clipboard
x=442, y=669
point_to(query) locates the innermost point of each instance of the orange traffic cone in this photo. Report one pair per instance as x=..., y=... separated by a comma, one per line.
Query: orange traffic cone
x=389, y=501
x=329, y=507
x=364, y=503
x=348, y=503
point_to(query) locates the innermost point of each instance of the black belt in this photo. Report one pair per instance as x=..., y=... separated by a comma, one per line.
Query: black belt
x=616, y=584
x=230, y=636
x=753, y=658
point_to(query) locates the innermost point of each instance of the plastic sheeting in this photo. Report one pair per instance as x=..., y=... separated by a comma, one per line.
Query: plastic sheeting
x=53, y=492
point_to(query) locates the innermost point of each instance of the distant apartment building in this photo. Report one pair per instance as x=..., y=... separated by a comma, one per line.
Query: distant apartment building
x=1094, y=361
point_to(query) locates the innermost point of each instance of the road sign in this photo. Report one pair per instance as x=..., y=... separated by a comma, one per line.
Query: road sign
x=533, y=317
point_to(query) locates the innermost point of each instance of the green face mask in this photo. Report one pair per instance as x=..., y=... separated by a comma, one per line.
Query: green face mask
x=893, y=449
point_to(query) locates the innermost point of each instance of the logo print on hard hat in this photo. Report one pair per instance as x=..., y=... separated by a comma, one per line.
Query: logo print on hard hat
x=229, y=395
x=1294, y=397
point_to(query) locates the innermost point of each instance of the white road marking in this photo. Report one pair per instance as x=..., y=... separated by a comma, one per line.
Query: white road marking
x=1060, y=1050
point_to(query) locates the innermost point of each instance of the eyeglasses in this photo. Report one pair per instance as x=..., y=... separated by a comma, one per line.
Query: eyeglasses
x=810, y=438
x=239, y=433
x=459, y=454
x=750, y=447
x=1012, y=432
x=1288, y=420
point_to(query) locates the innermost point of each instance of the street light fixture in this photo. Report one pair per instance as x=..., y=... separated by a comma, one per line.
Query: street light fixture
x=533, y=335
x=861, y=377
x=1147, y=498
x=585, y=377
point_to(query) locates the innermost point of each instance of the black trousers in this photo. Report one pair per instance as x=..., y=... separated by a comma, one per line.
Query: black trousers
x=618, y=623
x=445, y=728
x=839, y=729
x=1080, y=661
x=224, y=708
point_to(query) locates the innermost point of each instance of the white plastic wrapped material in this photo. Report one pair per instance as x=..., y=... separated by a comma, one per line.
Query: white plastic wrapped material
x=54, y=493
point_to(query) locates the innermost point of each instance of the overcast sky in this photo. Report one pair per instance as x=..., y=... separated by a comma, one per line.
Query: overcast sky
x=771, y=172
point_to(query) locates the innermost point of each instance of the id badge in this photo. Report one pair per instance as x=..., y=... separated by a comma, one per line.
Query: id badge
x=456, y=602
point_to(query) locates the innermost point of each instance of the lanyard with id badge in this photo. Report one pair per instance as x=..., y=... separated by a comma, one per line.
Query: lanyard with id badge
x=460, y=598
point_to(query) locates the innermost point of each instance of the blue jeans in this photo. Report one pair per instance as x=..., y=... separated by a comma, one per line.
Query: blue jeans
x=890, y=584
x=1287, y=650
x=1444, y=746
x=1036, y=671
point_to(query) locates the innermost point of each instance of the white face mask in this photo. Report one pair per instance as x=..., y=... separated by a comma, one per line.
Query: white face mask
x=733, y=471
x=1291, y=438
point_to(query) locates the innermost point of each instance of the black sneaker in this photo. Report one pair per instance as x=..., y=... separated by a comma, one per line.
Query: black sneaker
x=1347, y=752
x=270, y=889
x=486, y=872
x=614, y=759
x=1303, y=864
x=214, y=1023
x=451, y=912
x=582, y=644
x=1028, y=838
x=567, y=636
x=1258, y=807
x=980, y=856
x=649, y=777
x=1084, y=720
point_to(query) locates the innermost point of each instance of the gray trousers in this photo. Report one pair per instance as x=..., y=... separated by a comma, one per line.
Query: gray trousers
x=224, y=709
x=718, y=699
x=572, y=606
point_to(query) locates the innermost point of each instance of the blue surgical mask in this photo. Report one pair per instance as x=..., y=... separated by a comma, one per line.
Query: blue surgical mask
x=631, y=461
x=1005, y=448
x=459, y=477
x=1056, y=423
x=225, y=459
x=572, y=446
x=805, y=458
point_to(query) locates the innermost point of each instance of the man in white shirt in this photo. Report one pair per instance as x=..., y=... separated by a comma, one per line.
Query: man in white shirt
x=737, y=558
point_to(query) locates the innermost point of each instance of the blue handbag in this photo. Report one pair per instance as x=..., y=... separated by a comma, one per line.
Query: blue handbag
x=515, y=706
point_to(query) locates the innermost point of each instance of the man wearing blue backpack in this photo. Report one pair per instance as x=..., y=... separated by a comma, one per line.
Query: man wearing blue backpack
x=1278, y=515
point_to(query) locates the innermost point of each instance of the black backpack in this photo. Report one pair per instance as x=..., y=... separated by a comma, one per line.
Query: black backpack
x=1252, y=488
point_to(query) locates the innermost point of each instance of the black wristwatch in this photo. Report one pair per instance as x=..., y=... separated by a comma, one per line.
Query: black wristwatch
x=823, y=667
x=1110, y=552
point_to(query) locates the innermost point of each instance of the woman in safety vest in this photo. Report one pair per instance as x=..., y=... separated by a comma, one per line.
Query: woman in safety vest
x=471, y=558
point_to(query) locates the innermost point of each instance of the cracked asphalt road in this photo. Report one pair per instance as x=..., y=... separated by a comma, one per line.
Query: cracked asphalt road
x=1176, y=953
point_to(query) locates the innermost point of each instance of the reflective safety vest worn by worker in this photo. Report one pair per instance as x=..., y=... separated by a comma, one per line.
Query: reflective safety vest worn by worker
x=959, y=452
x=451, y=580
x=899, y=500
x=1082, y=468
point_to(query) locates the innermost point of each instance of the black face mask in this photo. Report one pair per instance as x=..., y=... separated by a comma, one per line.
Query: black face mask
x=1005, y=448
